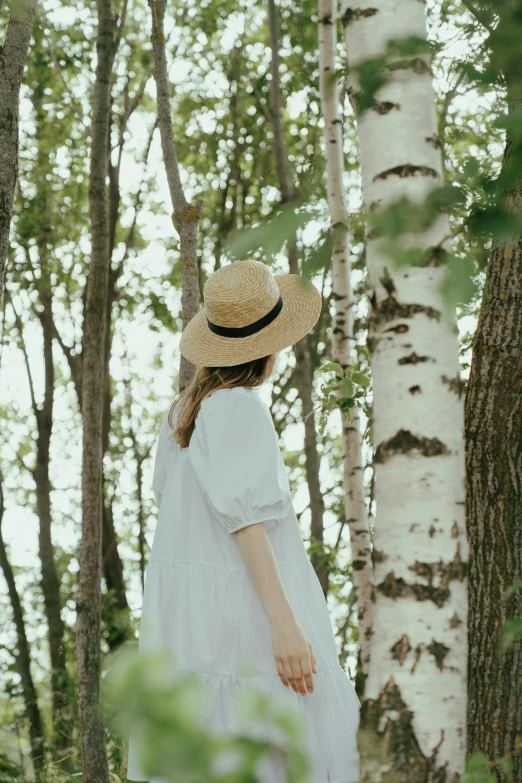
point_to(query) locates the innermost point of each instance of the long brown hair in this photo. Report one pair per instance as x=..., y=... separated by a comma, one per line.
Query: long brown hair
x=209, y=380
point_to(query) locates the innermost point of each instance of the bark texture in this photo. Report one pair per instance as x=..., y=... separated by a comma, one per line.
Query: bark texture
x=13, y=55
x=420, y=553
x=305, y=355
x=494, y=474
x=355, y=513
x=186, y=215
x=92, y=732
x=23, y=654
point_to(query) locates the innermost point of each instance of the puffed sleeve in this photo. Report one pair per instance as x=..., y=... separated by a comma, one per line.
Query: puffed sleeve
x=235, y=455
x=166, y=450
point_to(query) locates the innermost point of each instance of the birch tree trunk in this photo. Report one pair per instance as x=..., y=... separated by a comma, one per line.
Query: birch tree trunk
x=23, y=654
x=413, y=719
x=92, y=732
x=305, y=364
x=494, y=465
x=186, y=215
x=13, y=55
x=354, y=506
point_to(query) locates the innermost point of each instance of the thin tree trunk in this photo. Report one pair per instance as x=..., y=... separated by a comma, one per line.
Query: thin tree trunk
x=23, y=654
x=343, y=337
x=494, y=475
x=13, y=55
x=185, y=216
x=116, y=607
x=92, y=732
x=50, y=581
x=303, y=354
x=43, y=414
x=413, y=719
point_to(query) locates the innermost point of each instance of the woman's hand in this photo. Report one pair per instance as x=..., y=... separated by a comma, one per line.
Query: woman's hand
x=293, y=652
x=294, y=656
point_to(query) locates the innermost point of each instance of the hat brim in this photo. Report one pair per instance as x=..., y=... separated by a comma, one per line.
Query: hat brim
x=302, y=304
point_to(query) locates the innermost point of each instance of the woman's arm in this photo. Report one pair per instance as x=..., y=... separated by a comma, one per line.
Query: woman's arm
x=293, y=652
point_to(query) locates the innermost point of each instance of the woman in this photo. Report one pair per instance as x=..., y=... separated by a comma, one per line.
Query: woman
x=229, y=584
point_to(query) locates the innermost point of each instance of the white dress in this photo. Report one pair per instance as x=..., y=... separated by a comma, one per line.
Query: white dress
x=200, y=598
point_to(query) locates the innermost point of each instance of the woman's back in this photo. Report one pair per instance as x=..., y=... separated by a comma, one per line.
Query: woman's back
x=232, y=473
x=200, y=602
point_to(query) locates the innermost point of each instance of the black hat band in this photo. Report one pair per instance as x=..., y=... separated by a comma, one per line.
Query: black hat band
x=246, y=331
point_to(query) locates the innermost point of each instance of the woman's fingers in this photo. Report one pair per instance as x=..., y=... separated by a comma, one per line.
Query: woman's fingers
x=281, y=672
x=288, y=673
x=306, y=668
x=313, y=659
x=297, y=673
x=299, y=686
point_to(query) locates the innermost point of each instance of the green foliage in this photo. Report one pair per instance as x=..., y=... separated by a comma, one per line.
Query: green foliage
x=9, y=771
x=266, y=239
x=166, y=714
x=511, y=633
x=374, y=73
x=342, y=389
x=320, y=256
x=480, y=770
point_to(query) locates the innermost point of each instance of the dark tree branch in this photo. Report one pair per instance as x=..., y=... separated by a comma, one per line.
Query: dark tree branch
x=479, y=15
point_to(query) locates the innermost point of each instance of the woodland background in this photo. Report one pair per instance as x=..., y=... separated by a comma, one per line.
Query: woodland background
x=250, y=147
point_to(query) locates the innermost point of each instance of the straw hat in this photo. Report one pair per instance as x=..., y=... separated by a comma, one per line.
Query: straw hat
x=249, y=313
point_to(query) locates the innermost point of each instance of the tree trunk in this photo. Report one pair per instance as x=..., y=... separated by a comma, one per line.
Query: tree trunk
x=115, y=605
x=354, y=506
x=92, y=732
x=185, y=216
x=50, y=581
x=13, y=55
x=494, y=470
x=23, y=655
x=413, y=719
x=303, y=355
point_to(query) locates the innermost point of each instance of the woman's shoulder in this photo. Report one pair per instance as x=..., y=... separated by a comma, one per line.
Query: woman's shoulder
x=235, y=395
x=237, y=403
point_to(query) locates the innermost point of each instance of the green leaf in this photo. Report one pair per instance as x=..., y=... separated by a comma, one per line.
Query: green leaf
x=360, y=378
x=347, y=387
x=477, y=762
x=458, y=287
x=333, y=367
x=511, y=633
x=513, y=589
x=505, y=764
x=267, y=238
x=319, y=257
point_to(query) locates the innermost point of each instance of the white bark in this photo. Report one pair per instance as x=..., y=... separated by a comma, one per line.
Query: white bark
x=354, y=505
x=416, y=689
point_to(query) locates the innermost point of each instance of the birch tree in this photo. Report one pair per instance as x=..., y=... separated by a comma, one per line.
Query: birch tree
x=493, y=442
x=413, y=719
x=13, y=55
x=92, y=731
x=186, y=215
x=343, y=337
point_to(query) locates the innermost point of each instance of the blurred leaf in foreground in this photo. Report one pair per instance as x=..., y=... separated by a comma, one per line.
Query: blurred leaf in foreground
x=266, y=239
x=165, y=713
